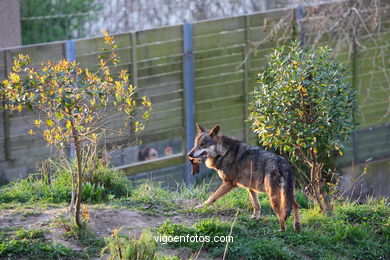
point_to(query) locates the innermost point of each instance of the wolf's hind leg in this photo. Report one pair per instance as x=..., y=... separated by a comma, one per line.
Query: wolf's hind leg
x=255, y=203
x=274, y=196
x=222, y=190
x=297, y=224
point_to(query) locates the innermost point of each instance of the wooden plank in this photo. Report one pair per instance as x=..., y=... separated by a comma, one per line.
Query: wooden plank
x=226, y=123
x=220, y=113
x=273, y=32
x=160, y=61
x=224, y=68
x=159, y=35
x=158, y=50
x=158, y=78
x=161, y=74
x=162, y=69
x=163, y=96
x=161, y=134
x=92, y=46
x=38, y=53
x=155, y=90
x=164, y=124
x=220, y=78
x=152, y=165
x=167, y=114
x=220, y=40
x=217, y=52
x=269, y=17
x=205, y=105
x=166, y=97
x=227, y=89
x=220, y=25
x=91, y=61
x=170, y=104
x=20, y=142
x=218, y=60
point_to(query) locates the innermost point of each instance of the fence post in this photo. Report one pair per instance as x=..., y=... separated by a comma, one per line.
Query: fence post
x=188, y=80
x=7, y=124
x=300, y=14
x=354, y=79
x=246, y=73
x=70, y=55
x=134, y=68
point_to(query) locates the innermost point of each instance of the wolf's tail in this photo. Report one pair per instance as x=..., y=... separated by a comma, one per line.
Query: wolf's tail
x=287, y=196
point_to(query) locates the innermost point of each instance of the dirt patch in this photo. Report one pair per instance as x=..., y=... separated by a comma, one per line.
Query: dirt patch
x=102, y=222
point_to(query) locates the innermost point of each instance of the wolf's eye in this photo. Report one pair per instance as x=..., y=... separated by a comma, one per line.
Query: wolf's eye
x=202, y=144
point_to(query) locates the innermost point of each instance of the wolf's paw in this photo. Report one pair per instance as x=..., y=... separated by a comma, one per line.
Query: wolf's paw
x=200, y=206
x=297, y=227
x=255, y=216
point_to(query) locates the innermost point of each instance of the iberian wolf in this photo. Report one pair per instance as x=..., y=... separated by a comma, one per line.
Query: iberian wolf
x=239, y=164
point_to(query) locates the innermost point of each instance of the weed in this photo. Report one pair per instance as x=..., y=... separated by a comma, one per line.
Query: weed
x=120, y=247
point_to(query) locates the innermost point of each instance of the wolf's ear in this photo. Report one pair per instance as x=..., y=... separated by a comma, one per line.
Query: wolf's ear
x=200, y=129
x=215, y=131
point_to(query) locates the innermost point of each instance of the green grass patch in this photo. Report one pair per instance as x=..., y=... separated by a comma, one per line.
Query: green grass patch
x=21, y=243
x=103, y=185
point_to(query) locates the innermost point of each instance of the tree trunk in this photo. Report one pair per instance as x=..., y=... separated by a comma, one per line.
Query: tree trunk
x=315, y=175
x=72, y=199
x=79, y=177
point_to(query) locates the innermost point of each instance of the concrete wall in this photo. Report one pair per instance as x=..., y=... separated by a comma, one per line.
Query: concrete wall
x=10, y=32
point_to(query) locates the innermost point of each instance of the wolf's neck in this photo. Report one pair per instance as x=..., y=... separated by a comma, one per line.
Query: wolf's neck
x=226, y=144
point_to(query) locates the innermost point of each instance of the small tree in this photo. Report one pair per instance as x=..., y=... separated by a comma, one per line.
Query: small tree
x=75, y=106
x=303, y=106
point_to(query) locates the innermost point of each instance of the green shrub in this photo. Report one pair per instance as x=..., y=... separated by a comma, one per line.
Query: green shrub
x=303, y=106
x=120, y=247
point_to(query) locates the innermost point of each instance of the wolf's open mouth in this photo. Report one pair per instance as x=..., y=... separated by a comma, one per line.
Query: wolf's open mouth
x=203, y=156
x=200, y=158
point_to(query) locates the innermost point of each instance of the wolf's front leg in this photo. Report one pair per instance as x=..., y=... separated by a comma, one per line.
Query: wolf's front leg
x=222, y=190
x=255, y=203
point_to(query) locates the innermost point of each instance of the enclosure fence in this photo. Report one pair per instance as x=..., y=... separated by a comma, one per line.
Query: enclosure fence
x=203, y=72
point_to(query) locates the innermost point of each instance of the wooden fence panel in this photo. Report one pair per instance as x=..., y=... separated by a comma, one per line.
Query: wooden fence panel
x=225, y=74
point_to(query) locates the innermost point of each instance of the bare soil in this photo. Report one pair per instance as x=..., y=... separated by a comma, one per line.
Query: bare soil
x=101, y=221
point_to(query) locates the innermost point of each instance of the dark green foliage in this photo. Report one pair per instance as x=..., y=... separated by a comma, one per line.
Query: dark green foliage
x=303, y=107
x=303, y=101
x=46, y=20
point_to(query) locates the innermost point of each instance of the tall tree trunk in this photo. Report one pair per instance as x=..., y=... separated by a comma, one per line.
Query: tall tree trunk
x=72, y=199
x=79, y=176
x=315, y=184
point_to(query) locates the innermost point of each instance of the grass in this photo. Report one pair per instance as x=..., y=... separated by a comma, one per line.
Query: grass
x=19, y=242
x=104, y=185
x=351, y=231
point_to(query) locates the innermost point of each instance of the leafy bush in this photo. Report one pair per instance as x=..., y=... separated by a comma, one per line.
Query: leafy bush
x=303, y=106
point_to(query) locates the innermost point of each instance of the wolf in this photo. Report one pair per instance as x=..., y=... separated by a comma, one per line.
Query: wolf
x=239, y=164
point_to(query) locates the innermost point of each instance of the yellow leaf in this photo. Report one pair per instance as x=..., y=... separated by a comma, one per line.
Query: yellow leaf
x=50, y=123
x=15, y=78
x=38, y=123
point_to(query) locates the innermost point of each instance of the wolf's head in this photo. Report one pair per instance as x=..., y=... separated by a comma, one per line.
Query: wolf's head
x=206, y=145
